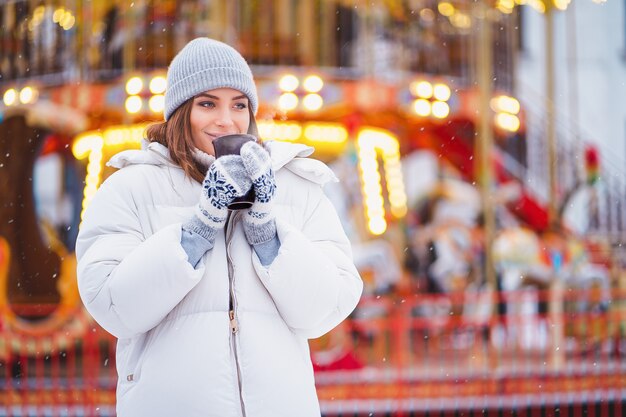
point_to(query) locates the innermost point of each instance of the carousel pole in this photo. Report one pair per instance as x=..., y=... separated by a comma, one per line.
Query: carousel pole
x=550, y=123
x=556, y=293
x=483, y=146
x=482, y=149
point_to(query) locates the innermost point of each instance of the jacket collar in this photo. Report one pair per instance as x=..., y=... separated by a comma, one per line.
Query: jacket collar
x=291, y=156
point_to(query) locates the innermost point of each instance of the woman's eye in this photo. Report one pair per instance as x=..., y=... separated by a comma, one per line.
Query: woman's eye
x=241, y=106
x=209, y=104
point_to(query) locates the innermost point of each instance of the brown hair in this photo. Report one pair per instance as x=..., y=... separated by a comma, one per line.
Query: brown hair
x=175, y=135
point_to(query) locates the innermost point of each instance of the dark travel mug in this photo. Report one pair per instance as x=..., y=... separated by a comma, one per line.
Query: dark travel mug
x=231, y=145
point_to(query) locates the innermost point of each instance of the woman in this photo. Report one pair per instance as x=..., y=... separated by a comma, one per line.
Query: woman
x=212, y=309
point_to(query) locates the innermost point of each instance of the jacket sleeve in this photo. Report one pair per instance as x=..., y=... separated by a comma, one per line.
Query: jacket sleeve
x=129, y=282
x=313, y=280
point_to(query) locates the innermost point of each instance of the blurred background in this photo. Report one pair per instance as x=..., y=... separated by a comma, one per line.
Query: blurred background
x=481, y=148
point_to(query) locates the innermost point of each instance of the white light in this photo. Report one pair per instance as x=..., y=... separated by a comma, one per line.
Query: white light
x=134, y=85
x=440, y=109
x=507, y=122
x=441, y=92
x=313, y=102
x=288, y=101
x=505, y=104
x=377, y=225
x=157, y=103
x=158, y=85
x=421, y=107
x=133, y=104
x=9, y=97
x=422, y=89
x=27, y=95
x=561, y=4
x=288, y=82
x=313, y=84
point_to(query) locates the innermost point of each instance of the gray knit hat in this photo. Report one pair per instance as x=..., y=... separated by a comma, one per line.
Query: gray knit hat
x=206, y=64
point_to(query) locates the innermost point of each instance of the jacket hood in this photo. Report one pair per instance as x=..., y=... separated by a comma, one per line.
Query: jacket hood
x=291, y=156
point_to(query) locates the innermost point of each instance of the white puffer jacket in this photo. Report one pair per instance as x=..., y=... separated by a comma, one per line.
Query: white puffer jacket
x=177, y=353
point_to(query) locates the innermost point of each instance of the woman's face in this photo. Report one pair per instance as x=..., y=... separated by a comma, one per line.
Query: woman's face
x=215, y=113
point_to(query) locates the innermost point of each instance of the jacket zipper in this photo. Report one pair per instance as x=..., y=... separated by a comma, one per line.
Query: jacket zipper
x=232, y=305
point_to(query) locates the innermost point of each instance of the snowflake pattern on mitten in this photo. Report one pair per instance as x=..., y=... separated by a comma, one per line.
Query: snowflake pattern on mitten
x=265, y=187
x=218, y=190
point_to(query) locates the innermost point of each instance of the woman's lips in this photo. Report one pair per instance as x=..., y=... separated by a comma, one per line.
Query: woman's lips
x=218, y=135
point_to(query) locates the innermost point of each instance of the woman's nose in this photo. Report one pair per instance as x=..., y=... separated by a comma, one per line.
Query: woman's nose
x=224, y=119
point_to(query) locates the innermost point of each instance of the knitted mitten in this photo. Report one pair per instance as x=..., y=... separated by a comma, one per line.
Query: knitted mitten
x=225, y=180
x=258, y=223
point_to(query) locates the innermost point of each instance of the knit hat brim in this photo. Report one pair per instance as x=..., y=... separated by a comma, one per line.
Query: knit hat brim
x=205, y=64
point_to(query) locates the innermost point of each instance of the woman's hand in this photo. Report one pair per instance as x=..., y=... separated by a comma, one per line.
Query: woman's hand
x=226, y=179
x=259, y=224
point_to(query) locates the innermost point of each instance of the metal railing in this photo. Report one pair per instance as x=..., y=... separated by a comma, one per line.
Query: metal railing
x=395, y=356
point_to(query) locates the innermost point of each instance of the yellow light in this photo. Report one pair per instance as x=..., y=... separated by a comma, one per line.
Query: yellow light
x=124, y=135
x=158, y=85
x=134, y=85
x=325, y=132
x=421, y=107
x=316, y=132
x=505, y=6
x=58, y=15
x=91, y=145
x=288, y=82
x=440, y=109
x=288, y=101
x=157, y=103
x=282, y=131
x=313, y=84
x=446, y=9
x=94, y=169
x=27, y=95
x=84, y=143
x=39, y=12
x=508, y=122
x=313, y=102
x=441, y=92
x=422, y=89
x=10, y=96
x=369, y=141
x=68, y=22
x=461, y=21
x=398, y=213
x=133, y=104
